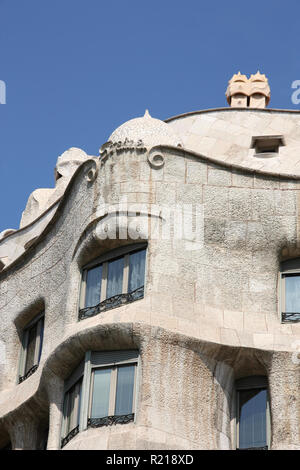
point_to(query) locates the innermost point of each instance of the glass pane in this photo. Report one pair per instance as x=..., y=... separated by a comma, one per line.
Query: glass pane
x=292, y=294
x=71, y=398
x=93, y=286
x=136, y=270
x=125, y=384
x=30, y=348
x=41, y=322
x=252, y=413
x=115, y=277
x=78, y=393
x=73, y=411
x=100, y=403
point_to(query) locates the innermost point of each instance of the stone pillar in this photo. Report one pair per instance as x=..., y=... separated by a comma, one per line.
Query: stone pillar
x=55, y=390
x=24, y=433
x=284, y=388
x=55, y=420
x=224, y=384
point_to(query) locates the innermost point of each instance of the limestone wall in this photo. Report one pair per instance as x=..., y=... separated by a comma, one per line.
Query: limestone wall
x=210, y=312
x=226, y=136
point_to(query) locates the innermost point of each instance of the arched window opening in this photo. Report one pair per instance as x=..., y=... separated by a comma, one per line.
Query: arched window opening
x=253, y=416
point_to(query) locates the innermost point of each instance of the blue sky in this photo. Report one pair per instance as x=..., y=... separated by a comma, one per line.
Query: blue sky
x=77, y=69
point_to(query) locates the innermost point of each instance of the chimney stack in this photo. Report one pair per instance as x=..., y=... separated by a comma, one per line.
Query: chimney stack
x=248, y=93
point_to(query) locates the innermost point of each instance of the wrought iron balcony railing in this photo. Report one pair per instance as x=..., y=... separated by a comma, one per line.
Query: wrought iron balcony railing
x=290, y=317
x=97, y=423
x=254, y=448
x=110, y=420
x=112, y=302
x=28, y=373
x=69, y=436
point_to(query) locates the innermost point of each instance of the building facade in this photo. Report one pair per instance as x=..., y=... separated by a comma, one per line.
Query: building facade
x=150, y=300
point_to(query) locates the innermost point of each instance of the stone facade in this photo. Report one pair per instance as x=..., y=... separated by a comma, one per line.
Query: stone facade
x=210, y=312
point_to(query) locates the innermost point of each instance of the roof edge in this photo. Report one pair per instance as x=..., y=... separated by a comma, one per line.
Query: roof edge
x=213, y=110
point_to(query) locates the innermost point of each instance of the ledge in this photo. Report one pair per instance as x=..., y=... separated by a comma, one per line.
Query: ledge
x=229, y=109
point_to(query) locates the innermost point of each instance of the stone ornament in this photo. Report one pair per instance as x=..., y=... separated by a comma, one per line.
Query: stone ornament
x=248, y=93
x=156, y=159
x=41, y=199
x=91, y=172
x=238, y=90
x=143, y=132
x=111, y=147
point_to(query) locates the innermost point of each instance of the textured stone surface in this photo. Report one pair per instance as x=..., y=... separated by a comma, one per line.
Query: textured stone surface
x=210, y=311
x=41, y=199
x=225, y=135
x=149, y=130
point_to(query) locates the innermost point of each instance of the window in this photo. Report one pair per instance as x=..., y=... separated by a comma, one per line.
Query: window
x=290, y=291
x=252, y=413
x=72, y=411
x=32, y=343
x=113, y=280
x=100, y=392
x=112, y=390
x=267, y=145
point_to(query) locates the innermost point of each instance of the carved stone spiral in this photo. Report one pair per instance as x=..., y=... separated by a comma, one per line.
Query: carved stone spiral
x=156, y=159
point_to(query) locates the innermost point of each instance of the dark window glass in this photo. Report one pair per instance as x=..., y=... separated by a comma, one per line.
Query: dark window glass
x=41, y=338
x=93, y=286
x=125, y=386
x=292, y=293
x=105, y=282
x=30, y=351
x=252, y=418
x=101, y=393
x=115, y=277
x=136, y=270
x=113, y=391
x=73, y=398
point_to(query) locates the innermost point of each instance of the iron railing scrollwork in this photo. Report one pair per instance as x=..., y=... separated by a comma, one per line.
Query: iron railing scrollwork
x=28, y=373
x=112, y=302
x=69, y=436
x=110, y=420
x=255, y=448
x=97, y=423
x=290, y=317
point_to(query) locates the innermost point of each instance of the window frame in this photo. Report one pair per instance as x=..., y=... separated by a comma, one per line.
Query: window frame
x=288, y=268
x=121, y=252
x=84, y=373
x=69, y=422
x=252, y=383
x=113, y=385
x=75, y=378
x=39, y=322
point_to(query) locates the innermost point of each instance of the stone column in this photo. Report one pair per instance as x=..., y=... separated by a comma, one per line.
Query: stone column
x=24, y=433
x=284, y=388
x=55, y=420
x=224, y=384
x=56, y=396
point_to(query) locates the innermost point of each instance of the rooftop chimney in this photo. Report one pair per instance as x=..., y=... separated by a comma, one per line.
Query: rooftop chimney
x=243, y=92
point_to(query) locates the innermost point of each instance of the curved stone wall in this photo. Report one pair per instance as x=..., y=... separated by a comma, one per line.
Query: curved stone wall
x=209, y=313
